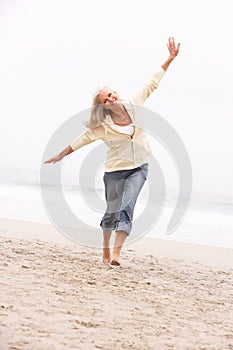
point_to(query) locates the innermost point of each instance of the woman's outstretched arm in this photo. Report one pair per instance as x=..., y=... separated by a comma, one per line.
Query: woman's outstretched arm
x=60, y=155
x=153, y=82
x=86, y=138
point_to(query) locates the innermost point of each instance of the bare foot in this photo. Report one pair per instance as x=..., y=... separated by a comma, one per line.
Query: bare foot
x=115, y=259
x=115, y=262
x=106, y=255
x=116, y=256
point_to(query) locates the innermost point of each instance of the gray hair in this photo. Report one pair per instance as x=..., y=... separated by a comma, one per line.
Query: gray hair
x=98, y=111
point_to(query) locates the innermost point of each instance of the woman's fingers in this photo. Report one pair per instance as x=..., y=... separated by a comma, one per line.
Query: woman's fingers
x=171, y=42
x=52, y=160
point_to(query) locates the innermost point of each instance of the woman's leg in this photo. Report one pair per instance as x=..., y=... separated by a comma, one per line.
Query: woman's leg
x=132, y=187
x=106, y=247
x=119, y=241
x=113, y=192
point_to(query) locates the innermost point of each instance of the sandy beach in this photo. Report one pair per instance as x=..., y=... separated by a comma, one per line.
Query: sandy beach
x=58, y=295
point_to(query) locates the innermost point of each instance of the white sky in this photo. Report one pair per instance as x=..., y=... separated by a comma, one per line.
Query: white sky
x=55, y=53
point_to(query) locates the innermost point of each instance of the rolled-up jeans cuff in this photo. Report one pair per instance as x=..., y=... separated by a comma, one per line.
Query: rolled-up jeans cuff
x=107, y=230
x=124, y=226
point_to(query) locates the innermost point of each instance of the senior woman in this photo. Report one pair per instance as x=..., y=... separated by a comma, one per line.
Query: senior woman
x=113, y=120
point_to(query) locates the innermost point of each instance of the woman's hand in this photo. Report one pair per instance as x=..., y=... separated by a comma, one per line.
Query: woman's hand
x=60, y=156
x=54, y=159
x=172, y=47
x=173, y=52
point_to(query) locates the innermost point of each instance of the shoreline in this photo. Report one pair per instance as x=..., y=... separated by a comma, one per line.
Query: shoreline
x=190, y=252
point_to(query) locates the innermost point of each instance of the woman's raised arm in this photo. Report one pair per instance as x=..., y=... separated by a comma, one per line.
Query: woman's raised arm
x=152, y=84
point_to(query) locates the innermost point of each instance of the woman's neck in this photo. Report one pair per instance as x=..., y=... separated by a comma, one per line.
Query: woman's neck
x=121, y=118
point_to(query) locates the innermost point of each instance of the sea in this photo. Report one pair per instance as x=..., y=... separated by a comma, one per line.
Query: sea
x=208, y=220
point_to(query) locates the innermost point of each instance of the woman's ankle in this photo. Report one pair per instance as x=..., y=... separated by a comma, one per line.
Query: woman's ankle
x=116, y=253
x=106, y=255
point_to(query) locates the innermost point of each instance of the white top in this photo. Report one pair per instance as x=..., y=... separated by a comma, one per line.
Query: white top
x=126, y=129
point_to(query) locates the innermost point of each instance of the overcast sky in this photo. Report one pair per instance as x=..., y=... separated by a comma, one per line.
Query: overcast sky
x=55, y=53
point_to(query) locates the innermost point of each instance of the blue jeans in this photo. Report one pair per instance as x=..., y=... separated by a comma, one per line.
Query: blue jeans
x=122, y=188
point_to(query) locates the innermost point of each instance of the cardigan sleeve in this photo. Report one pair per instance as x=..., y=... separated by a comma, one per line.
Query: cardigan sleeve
x=148, y=88
x=87, y=137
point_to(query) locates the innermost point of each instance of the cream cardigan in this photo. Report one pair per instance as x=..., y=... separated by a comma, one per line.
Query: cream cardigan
x=124, y=151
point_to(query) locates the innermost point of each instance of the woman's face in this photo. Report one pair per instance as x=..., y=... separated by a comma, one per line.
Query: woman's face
x=108, y=98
